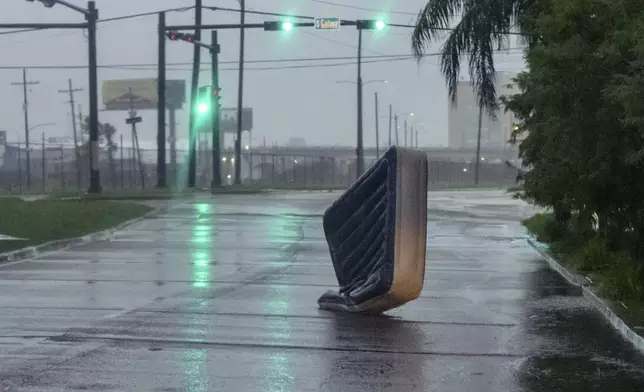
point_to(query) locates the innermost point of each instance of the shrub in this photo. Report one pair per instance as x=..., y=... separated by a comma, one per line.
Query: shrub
x=624, y=279
x=593, y=255
x=545, y=228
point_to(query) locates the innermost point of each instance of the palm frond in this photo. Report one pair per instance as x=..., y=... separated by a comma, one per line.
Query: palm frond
x=432, y=22
x=483, y=26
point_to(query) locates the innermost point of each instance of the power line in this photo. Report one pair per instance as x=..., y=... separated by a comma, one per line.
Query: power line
x=301, y=66
x=364, y=8
x=258, y=61
x=255, y=12
x=132, y=16
x=117, y=18
x=340, y=42
x=301, y=59
x=185, y=66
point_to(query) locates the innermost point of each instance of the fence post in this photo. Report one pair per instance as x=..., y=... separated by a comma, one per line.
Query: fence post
x=333, y=168
x=250, y=163
x=121, y=165
x=273, y=176
x=130, y=161
x=261, y=179
x=62, y=168
x=43, y=164
x=19, y=169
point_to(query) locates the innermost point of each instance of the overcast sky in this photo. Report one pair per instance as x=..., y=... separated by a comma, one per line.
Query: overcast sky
x=289, y=102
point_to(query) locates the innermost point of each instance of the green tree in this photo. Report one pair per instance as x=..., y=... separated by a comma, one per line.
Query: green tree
x=106, y=135
x=579, y=104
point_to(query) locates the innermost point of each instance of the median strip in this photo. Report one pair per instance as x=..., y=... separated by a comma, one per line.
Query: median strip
x=29, y=224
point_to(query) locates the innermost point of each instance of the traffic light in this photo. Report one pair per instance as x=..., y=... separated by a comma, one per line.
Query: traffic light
x=204, y=100
x=375, y=24
x=283, y=25
x=176, y=36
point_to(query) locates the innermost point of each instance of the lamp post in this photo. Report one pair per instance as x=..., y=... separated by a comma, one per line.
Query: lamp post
x=405, y=116
x=91, y=17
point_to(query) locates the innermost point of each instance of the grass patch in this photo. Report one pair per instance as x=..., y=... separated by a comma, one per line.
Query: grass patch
x=47, y=220
x=617, y=275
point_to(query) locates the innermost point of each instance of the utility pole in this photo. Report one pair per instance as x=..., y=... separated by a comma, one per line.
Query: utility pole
x=133, y=120
x=396, y=126
x=25, y=108
x=477, y=165
x=416, y=138
x=377, y=130
x=390, y=110
x=196, y=63
x=94, y=151
x=240, y=94
x=71, y=90
x=405, y=133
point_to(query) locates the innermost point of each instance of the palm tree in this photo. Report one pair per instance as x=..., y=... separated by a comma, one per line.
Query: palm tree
x=483, y=26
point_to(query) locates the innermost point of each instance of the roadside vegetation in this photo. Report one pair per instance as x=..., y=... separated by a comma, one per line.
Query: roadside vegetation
x=616, y=272
x=37, y=222
x=579, y=117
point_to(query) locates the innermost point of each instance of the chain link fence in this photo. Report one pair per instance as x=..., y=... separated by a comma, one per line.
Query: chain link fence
x=63, y=169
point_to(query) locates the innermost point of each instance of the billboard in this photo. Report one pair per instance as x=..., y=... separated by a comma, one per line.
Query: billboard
x=143, y=96
x=229, y=120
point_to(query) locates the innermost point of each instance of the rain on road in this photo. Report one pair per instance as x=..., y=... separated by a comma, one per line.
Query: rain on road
x=219, y=294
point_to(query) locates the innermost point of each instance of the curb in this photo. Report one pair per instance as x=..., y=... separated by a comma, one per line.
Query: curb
x=599, y=304
x=574, y=279
x=33, y=251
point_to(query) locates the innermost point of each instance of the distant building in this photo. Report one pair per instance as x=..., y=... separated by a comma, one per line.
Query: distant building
x=463, y=118
x=296, y=142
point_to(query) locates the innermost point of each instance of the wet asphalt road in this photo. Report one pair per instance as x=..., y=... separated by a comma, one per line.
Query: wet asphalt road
x=220, y=295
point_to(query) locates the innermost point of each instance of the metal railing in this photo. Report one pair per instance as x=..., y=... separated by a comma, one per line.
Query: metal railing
x=54, y=169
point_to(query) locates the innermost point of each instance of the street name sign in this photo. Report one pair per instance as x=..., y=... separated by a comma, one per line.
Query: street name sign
x=327, y=23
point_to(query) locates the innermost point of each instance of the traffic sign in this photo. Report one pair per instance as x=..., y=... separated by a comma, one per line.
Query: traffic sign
x=327, y=23
x=133, y=120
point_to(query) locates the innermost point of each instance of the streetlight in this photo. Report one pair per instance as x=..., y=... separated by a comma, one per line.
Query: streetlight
x=405, y=115
x=91, y=16
x=49, y=124
x=363, y=25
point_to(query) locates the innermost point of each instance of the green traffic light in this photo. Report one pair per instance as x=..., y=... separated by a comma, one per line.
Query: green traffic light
x=203, y=108
x=380, y=25
x=287, y=26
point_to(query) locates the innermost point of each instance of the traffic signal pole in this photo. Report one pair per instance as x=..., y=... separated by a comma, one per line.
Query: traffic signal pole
x=360, y=146
x=270, y=26
x=240, y=95
x=216, y=113
x=162, y=180
x=94, y=151
x=196, y=63
x=214, y=106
